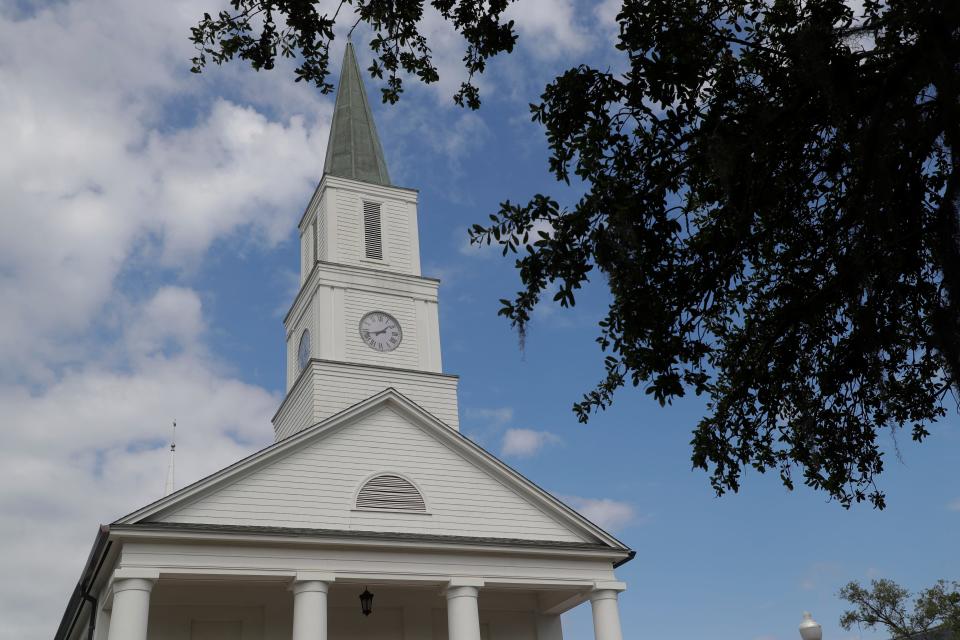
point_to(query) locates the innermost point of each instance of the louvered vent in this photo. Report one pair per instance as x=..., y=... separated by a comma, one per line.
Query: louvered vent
x=373, y=240
x=391, y=493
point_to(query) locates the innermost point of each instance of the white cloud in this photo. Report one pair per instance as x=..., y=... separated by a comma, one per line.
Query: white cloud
x=954, y=506
x=495, y=417
x=454, y=136
x=173, y=317
x=549, y=28
x=608, y=514
x=94, y=178
x=606, y=11
x=818, y=574
x=237, y=169
x=523, y=443
x=447, y=48
x=471, y=250
x=92, y=447
x=606, y=14
x=118, y=164
x=465, y=135
x=516, y=443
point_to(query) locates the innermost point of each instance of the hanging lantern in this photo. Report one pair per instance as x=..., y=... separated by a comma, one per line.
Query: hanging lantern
x=366, y=602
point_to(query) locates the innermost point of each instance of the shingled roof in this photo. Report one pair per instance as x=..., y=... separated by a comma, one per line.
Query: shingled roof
x=353, y=150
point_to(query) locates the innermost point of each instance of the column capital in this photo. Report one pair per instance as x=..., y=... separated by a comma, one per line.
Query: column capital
x=131, y=608
x=606, y=614
x=325, y=576
x=613, y=585
x=132, y=584
x=462, y=592
x=305, y=586
x=603, y=594
x=310, y=606
x=136, y=572
x=466, y=582
x=463, y=617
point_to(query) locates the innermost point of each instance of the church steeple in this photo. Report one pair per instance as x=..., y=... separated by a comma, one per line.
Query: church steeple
x=353, y=150
x=365, y=319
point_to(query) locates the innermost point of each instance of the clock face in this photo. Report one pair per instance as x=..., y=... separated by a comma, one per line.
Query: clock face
x=303, y=353
x=380, y=331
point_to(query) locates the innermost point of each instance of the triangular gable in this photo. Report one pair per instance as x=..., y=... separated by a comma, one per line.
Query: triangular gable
x=310, y=480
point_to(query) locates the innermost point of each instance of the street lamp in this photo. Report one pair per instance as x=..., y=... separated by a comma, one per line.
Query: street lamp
x=810, y=629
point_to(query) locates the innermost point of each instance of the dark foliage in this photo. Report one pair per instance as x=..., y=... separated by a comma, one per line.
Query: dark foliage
x=771, y=197
x=260, y=30
x=933, y=615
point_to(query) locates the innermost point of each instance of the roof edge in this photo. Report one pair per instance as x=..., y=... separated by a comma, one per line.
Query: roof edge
x=87, y=577
x=300, y=532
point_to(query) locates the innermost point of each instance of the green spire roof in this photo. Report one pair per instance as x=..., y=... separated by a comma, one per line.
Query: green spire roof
x=353, y=150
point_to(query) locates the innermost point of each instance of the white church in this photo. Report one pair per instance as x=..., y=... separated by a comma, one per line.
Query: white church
x=370, y=517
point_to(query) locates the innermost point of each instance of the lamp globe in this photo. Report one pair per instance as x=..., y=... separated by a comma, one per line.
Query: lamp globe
x=810, y=629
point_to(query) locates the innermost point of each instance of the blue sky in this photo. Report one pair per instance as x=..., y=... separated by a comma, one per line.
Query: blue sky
x=147, y=257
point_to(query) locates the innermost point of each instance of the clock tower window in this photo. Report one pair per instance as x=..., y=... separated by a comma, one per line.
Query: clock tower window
x=372, y=236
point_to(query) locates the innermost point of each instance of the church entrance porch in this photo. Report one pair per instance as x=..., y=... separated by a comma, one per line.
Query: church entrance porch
x=198, y=607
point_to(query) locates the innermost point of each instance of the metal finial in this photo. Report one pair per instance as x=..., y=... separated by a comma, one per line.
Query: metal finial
x=172, y=468
x=350, y=33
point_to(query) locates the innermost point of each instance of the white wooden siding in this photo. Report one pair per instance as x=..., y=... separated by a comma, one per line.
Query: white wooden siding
x=428, y=319
x=322, y=229
x=315, y=486
x=297, y=407
x=330, y=387
x=396, y=236
x=399, y=248
x=304, y=250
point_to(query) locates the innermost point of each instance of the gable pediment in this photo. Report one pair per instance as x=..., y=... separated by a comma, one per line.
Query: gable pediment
x=313, y=481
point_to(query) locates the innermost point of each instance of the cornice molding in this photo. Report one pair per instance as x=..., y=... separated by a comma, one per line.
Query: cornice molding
x=345, y=276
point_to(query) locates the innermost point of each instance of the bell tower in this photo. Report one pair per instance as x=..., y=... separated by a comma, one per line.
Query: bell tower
x=364, y=318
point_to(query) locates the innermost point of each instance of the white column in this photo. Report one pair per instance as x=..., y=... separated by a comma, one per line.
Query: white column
x=606, y=615
x=131, y=609
x=463, y=615
x=310, y=609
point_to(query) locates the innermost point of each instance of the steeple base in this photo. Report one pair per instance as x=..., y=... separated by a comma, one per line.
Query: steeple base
x=327, y=387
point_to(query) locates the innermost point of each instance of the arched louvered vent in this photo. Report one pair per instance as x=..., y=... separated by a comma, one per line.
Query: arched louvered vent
x=391, y=493
x=373, y=241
